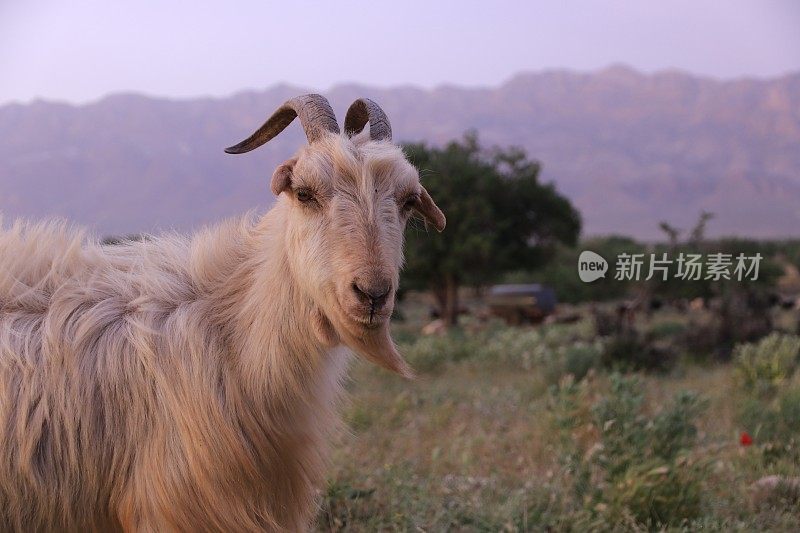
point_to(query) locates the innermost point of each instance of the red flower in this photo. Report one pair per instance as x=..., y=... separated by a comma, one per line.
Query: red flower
x=745, y=439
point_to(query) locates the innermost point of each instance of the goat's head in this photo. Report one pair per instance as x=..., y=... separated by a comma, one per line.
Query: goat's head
x=347, y=198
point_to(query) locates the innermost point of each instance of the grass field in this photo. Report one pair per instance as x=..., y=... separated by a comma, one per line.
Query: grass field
x=525, y=429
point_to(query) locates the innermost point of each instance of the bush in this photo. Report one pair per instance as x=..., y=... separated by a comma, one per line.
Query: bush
x=581, y=357
x=774, y=425
x=429, y=354
x=667, y=329
x=631, y=352
x=558, y=349
x=627, y=464
x=656, y=495
x=764, y=366
x=770, y=409
x=673, y=429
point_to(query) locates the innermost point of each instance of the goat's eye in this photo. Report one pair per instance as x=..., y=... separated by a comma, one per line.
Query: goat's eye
x=410, y=202
x=305, y=195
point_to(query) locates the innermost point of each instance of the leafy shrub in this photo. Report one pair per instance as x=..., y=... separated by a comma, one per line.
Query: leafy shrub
x=673, y=429
x=667, y=329
x=511, y=346
x=575, y=359
x=774, y=425
x=770, y=408
x=630, y=352
x=762, y=367
x=789, y=410
x=428, y=354
x=655, y=494
x=606, y=323
x=626, y=463
x=559, y=349
x=582, y=357
x=699, y=340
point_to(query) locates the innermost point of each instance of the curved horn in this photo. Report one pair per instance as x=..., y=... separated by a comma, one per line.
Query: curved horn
x=315, y=114
x=363, y=110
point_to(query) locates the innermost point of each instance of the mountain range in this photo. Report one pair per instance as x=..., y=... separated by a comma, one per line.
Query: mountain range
x=629, y=149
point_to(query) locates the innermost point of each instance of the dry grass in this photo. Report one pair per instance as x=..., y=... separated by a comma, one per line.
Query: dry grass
x=472, y=446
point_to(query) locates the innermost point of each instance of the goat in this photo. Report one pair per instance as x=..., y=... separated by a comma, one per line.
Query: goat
x=180, y=384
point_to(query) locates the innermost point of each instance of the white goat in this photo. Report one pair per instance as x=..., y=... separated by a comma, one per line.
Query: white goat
x=190, y=384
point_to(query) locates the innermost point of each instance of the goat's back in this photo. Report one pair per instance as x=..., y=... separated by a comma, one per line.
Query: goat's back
x=82, y=351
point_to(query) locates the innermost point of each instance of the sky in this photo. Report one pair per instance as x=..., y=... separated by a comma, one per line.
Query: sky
x=80, y=50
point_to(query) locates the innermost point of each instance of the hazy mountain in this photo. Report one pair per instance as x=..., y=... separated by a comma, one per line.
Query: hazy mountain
x=629, y=149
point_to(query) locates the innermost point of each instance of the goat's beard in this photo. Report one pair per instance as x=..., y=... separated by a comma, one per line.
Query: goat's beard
x=373, y=344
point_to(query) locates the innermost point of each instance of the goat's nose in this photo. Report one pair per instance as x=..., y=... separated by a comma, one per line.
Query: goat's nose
x=374, y=294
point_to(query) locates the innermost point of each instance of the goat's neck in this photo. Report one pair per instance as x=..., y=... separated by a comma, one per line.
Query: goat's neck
x=279, y=354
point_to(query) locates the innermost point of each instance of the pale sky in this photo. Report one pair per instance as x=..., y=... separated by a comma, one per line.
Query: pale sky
x=81, y=50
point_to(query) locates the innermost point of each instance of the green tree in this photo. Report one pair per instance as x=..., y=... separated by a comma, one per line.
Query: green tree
x=499, y=218
x=560, y=272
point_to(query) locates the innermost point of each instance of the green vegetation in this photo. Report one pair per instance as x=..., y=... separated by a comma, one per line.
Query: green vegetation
x=526, y=429
x=560, y=271
x=769, y=388
x=638, y=466
x=763, y=367
x=656, y=405
x=499, y=216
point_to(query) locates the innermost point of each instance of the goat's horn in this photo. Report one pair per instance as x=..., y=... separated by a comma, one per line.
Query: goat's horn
x=365, y=110
x=315, y=114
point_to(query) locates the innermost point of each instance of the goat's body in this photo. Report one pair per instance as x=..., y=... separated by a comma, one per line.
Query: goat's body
x=170, y=384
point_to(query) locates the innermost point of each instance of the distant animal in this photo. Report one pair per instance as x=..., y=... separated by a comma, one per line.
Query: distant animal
x=191, y=384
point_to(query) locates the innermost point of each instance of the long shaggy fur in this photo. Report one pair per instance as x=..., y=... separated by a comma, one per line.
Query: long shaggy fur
x=170, y=384
x=183, y=384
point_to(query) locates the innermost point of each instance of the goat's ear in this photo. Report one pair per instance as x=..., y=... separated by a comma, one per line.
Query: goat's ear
x=428, y=209
x=282, y=177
